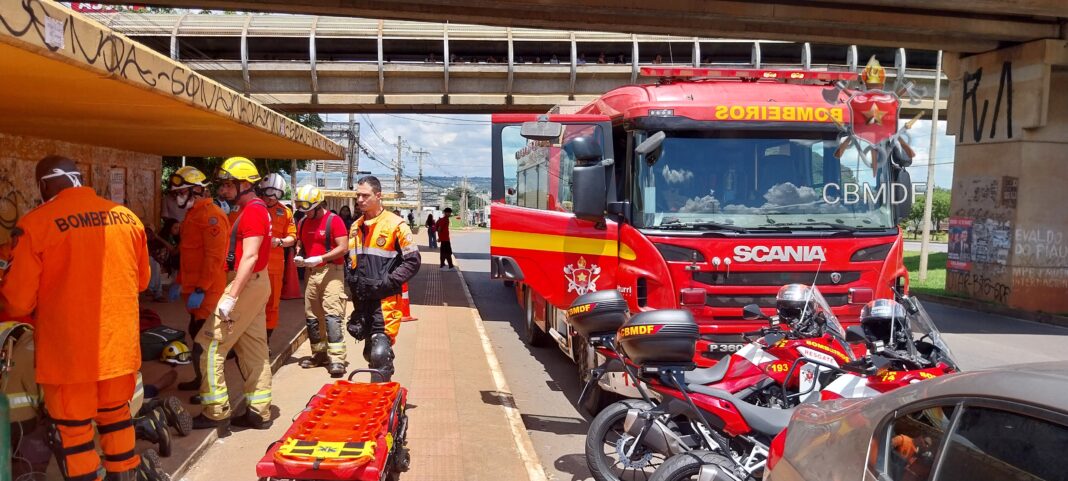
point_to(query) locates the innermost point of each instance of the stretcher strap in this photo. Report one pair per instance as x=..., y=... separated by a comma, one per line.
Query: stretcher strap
x=328, y=450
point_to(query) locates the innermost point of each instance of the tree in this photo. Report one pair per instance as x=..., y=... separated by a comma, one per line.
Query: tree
x=939, y=210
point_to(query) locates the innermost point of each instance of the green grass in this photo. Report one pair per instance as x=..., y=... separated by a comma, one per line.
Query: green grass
x=939, y=237
x=936, y=273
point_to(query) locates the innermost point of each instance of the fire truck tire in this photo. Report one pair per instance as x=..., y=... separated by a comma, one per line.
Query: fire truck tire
x=533, y=336
x=597, y=398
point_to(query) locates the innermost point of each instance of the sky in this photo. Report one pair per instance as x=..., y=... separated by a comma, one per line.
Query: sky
x=460, y=145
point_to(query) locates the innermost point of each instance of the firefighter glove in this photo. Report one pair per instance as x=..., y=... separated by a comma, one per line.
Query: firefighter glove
x=313, y=261
x=174, y=292
x=196, y=298
x=226, y=304
x=298, y=261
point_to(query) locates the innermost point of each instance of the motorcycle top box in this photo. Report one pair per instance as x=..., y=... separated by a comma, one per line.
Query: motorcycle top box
x=660, y=338
x=598, y=313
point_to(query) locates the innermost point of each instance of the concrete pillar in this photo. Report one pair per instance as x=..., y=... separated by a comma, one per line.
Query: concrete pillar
x=1008, y=221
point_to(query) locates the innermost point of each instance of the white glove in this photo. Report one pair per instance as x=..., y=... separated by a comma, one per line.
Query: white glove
x=298, y=261
x=226, y=304
x=313, y=261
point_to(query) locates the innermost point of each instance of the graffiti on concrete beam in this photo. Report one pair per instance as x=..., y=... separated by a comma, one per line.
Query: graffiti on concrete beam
x=972, y=80
x=59, y=31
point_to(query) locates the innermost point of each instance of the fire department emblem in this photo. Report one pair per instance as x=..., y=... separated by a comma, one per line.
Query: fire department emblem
x=381, y=241
x=874, y=115
x=582, y=277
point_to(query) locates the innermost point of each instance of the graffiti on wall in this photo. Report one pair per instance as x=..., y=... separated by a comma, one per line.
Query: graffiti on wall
x=57, y=30
x=1041, y=247
x=979, y=285
x=974, y=116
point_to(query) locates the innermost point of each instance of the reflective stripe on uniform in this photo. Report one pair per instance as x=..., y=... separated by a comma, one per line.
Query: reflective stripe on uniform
x=411, y=249
x=374, y=251
x=259, y=396
x=18, y=400
x=336, y=347
x=215, y=395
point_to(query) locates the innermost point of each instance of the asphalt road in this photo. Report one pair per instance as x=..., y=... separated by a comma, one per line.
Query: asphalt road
x=544, y=381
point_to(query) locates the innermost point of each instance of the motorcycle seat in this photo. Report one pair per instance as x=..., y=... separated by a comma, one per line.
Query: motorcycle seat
x=767, y=421
x=709, y=375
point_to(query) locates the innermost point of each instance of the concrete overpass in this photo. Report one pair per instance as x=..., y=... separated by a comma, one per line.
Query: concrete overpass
x=333, y=64
x=952, y=25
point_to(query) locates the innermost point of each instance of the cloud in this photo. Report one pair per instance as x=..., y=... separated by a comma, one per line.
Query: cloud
x=676, y=176
x=700, y=204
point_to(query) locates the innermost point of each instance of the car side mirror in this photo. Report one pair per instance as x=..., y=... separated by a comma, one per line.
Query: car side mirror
x=752, y=312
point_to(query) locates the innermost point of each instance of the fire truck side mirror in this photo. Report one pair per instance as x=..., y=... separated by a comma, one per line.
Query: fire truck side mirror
x=589, y=191
x=901, y=194
x=650, y=147
x=541, y=130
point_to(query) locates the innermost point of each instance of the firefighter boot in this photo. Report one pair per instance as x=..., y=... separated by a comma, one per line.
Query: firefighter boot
x=315, y=338
x=198, y=351
x=152, y=427
x=380, y=357
x=335, y=346
x=177, y=416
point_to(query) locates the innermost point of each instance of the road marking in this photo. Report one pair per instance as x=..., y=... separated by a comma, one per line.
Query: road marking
x=523, y=444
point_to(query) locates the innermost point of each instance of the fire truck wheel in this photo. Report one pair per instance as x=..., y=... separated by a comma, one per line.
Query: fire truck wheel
x=597, y=398
x=533, y=336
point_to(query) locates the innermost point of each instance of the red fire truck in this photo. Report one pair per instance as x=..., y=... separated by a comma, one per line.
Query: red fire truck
x=707, y=190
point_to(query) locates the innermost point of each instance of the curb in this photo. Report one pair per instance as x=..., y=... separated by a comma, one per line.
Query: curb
x=1042, y=317
x=523, y=443
x=213, y=436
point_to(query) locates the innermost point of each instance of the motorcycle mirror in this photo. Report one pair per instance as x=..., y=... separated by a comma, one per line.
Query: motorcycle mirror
x=855, y=334
x=910, y=305
x=752, y=312
x=774, y=338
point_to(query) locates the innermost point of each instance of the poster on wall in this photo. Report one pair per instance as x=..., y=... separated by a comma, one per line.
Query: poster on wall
x=117, y=185
x=960, y=244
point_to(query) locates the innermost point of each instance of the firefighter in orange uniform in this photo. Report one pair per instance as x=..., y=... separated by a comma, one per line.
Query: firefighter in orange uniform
x=383, y=258
x=283, y=234
x=202, y=243
x=78, y=266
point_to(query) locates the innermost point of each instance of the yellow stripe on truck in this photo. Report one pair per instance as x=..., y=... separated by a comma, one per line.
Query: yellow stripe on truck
x=559, y=243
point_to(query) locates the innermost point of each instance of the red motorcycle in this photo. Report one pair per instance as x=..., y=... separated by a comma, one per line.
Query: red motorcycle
x=758, y=374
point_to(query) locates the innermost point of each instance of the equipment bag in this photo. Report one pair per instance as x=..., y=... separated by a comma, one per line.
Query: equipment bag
x=154, y=340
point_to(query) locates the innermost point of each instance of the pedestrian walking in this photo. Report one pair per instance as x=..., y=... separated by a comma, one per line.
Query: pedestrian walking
x=239, y=321
x=321, y=250
x=431, y=231
x=202, y=243
x=283, y=234
x=384, y=257
x=78, y=265
x=442, y=226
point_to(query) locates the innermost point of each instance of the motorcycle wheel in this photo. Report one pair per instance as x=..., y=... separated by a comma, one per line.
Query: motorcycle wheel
x=606, y=435
x=687, y=466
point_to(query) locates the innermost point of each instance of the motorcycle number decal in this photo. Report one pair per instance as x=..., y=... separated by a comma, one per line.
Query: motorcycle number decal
x=779, y=366
x=725, y=347
x=889, y=376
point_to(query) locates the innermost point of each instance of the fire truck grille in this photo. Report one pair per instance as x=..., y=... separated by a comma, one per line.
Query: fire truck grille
x=762, y=300
x=774, y=278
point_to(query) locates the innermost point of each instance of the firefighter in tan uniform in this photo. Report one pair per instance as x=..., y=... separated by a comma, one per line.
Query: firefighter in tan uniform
x=323, y=242
x=383, y=256
x=239, y=320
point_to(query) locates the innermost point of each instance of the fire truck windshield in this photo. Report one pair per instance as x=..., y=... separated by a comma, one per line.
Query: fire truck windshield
x=753, y=180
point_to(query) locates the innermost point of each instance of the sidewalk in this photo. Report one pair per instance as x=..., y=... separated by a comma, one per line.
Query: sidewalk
x=461, y=426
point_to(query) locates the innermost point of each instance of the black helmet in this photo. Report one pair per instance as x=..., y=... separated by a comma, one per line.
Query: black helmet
x=792, y=299
x=882, y=317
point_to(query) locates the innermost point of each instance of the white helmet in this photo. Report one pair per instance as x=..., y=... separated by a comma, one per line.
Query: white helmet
x=273, y=185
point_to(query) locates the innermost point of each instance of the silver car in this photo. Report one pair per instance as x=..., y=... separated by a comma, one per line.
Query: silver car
x=1007, y=423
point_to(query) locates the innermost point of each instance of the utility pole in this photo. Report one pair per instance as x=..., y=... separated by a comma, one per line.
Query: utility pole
x=354, y=151
x=928, y=196
x=463, y=203
x=419, y=199
x=398, y=167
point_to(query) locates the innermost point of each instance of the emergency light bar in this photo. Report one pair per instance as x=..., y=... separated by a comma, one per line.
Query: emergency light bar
x=746, y=73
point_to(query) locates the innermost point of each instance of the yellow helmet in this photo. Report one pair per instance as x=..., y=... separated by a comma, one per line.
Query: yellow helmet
x=238, y=168
x=187, y=177
x=307, y=198
x=176, y=353
x=874, y=75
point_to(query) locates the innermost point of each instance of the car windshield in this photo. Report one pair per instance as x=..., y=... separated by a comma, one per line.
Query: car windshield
x=759, y=180
x=822, y=309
